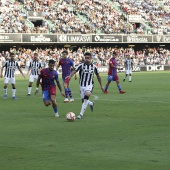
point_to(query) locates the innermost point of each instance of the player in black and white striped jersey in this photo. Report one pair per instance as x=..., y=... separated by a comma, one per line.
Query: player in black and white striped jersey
x=34, y=67
x=87, y=71
x=9, y=76
x=128, y=67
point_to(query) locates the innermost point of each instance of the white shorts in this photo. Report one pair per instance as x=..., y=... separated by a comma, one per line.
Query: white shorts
x=32, y=78
x=9, y=80
x=84, y=89
x=128, y=71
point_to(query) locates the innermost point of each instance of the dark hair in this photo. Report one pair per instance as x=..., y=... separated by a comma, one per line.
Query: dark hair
x=114, y=53
x=51, y=62
x=65, y=51
x=87, y=53
x=35, y=54
x=12, y=54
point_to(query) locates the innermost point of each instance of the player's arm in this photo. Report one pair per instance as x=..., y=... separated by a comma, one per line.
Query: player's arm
x=68, y=78
x=37, y=84
x=100, y=82
x=125, y=64
x=111, y=63
x=99, y=79
x=73, y=68
x=71, y=75
x=75, y=75
x=29, y=68
x=132, y=64
x=40, y=68
x=59, y=87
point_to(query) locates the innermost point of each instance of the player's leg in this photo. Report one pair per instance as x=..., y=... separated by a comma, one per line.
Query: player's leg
x=52, y=92
x=13, y=91
x=130, y=75
x=31, y=80
x=109, y=79
x=6, y=81
x=50, y=99
x=40, y=81
x=116, y=78
x=91, y=104
x=126, y=74
x=46, y=97
x=70, y=93
x=66, y=91
x=54, y=105
x=29, y=88
x=13, y=88
x=85, y=94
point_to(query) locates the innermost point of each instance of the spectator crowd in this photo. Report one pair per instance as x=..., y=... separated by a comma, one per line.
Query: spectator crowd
x=101, y=55
x=85, y=16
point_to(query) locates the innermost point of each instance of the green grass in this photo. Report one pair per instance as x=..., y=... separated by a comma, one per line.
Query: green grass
x=125, y=132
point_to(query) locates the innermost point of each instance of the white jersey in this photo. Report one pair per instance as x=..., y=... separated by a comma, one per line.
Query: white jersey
x=10, y=67
x=35, y=66
x=128, y=64
x=86, y=73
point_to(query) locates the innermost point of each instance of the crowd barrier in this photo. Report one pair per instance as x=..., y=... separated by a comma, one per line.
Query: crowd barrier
x=140, y=68
x=82, y=38
x=104, y=69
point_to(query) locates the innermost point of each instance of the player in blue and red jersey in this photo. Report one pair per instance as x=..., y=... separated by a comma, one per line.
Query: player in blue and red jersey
x=112, y=74
x=67, y=65
x=49, y=76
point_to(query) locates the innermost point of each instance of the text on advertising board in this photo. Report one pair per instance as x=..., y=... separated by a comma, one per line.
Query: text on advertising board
x=74, y=38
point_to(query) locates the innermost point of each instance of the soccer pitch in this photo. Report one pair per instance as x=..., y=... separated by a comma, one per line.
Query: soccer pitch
x=128, y=131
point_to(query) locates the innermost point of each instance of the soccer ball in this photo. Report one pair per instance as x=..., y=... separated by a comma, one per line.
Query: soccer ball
x=70, y=116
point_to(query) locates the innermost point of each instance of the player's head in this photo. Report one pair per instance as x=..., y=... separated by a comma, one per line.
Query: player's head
x=128, y=56
x=51, y=65
x=88, y=57
x=114, y=54
x=64, y=54
x=35, y=56
x=12, y=56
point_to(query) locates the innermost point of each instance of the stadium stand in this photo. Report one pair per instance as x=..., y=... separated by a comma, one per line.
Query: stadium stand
x=85, y=16
x=152, y=12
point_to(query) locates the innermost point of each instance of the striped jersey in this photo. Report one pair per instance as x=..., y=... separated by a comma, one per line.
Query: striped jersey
x=86, y=73
x=66, y=65
x=128, y=64
x=35, y=66
x=48, y=77
x=112, y=70
x=10, y=67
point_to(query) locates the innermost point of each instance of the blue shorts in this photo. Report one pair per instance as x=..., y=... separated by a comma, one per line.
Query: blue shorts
x=47, y=93
x=112, y=78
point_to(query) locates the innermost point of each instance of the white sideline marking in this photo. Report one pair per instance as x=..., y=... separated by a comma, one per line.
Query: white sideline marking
x=137, y=101
x=95, y=97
